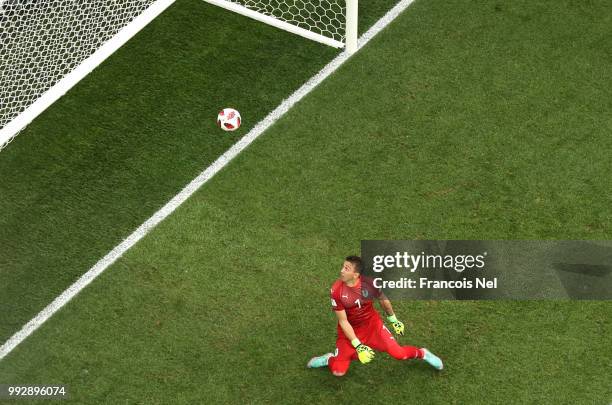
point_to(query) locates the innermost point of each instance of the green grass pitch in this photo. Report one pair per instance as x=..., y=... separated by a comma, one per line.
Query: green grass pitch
x=462, y=120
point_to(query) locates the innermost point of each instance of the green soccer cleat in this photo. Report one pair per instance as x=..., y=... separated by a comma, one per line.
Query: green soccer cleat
x=319, y=361
x=432, y=359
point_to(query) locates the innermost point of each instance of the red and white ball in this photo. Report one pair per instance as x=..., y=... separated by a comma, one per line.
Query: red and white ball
x=228, y=119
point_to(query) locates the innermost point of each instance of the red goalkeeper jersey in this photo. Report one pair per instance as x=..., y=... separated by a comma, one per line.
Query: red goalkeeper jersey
x=356, y=300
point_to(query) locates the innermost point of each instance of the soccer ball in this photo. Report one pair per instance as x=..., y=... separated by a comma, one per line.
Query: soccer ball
x=228, y=119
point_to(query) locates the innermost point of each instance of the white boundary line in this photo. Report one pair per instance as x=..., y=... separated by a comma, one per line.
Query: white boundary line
x=192, y=187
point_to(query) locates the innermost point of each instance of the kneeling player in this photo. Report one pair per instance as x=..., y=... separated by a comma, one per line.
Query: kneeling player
x=360, y=328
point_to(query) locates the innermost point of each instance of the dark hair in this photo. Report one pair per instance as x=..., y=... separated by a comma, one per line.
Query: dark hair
x=356, y=261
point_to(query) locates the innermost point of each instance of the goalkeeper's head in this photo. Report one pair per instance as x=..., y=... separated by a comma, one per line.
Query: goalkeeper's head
x=351, y=269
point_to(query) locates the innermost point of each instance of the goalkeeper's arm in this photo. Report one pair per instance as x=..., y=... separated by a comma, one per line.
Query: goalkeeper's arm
x=364, y=352
x=398, y=326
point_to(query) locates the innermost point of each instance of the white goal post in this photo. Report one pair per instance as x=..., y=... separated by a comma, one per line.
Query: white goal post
x=48, y=46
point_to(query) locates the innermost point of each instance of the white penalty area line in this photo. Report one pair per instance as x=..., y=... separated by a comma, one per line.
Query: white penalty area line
x=195, y=184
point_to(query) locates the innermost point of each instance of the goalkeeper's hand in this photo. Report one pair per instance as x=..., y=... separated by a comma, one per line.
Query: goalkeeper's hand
x=398, y=326
x=364, y=352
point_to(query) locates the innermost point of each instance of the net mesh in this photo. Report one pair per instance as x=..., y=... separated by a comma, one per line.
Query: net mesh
x=43, y=40
x=324, y=17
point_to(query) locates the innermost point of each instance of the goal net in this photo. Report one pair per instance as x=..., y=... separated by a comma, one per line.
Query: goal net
x=47, y=46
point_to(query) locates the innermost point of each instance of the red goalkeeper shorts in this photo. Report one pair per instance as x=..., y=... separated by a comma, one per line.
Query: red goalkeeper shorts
x=374, y=334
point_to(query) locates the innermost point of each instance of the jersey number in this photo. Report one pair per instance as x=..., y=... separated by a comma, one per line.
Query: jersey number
x=358, y=303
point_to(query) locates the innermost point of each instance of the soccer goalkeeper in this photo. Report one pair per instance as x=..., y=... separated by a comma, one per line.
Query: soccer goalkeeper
x=360, y=328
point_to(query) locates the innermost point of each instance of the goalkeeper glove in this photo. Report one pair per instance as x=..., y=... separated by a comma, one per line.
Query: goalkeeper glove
x=365, y=353
x=398, y=326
